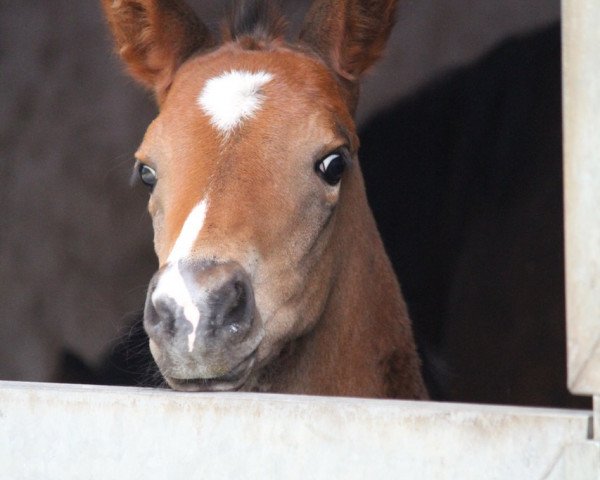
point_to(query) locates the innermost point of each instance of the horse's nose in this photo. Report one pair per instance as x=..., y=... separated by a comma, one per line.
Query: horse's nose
x=198, y=304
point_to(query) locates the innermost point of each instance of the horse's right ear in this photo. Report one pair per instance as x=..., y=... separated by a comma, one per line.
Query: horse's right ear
x=154, y=37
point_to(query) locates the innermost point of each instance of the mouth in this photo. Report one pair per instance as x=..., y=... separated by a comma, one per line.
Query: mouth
x=232, y=381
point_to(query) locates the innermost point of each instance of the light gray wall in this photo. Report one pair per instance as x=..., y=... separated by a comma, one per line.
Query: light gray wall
x=75, y=243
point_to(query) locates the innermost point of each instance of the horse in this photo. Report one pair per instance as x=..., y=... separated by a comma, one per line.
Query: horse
x=272, y=275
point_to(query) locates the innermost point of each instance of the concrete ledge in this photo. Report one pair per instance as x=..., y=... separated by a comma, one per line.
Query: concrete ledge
x=581, y=119
x=580, y=462
x=74, y=432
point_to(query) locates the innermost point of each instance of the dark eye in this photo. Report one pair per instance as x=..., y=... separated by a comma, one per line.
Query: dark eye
x=147, y=175
x=331, y=167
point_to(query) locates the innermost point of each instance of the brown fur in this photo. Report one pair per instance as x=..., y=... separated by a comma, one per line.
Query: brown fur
x=363, y=344
x=325, y=292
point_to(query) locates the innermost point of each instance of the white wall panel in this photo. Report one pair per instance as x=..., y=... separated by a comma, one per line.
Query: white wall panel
x=581, y=73
x=73, y=432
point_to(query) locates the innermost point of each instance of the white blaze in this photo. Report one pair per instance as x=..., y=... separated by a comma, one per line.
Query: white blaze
x=189, y=232
x=171, y=283
x=232, y=97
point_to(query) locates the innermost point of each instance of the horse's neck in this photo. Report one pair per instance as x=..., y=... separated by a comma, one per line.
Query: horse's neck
x=363, y=344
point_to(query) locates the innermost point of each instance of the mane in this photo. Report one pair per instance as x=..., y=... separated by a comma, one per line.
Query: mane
x=254, y=23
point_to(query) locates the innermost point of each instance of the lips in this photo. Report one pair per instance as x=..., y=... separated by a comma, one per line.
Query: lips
x=234, y=380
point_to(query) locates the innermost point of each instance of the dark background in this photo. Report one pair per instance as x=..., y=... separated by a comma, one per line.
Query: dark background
x=462, y=169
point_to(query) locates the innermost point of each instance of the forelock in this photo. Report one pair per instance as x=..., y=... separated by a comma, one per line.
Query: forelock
x=254, y=23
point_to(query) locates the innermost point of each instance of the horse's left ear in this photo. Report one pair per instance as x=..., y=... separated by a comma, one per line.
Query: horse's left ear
x=349, y=35
x=154, y=37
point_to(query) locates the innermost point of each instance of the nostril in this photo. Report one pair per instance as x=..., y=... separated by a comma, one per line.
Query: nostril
x=238, y=304
x=235, y=313
x=233, y=307
x=161, y=311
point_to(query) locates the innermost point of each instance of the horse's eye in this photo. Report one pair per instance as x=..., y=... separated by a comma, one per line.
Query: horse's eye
x=147, y=175
x=331, y=167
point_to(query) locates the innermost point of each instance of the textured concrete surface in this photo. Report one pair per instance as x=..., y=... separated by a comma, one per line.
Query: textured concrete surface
x=580, y=461
x=72, y=432
x=581, y=64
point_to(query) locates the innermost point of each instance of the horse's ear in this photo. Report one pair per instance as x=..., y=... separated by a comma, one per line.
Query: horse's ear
x=154, y=37
x=349, y=35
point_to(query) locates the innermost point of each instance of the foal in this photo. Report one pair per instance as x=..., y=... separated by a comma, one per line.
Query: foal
x=272, y=274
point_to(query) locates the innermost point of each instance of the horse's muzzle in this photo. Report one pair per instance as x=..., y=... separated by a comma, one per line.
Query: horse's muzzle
x=202, y=323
